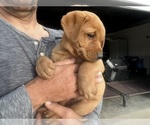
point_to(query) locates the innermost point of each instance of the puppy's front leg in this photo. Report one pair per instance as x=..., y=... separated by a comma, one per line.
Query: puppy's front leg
x=45, y=67
x=86, y=78
x=84, y=107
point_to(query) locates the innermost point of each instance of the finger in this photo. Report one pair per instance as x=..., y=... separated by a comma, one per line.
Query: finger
x=38, y=116
x=58, y=109
x=38, y=120
x=62, y=111
x=66, y=61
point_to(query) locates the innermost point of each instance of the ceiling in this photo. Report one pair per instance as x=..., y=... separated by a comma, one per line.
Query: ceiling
x=93, y=2
x=114, y=18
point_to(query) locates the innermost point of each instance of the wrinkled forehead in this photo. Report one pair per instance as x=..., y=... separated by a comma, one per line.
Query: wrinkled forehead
x=94, y=25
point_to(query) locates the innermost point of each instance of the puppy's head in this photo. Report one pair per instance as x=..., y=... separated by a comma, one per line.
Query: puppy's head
x=86, y=33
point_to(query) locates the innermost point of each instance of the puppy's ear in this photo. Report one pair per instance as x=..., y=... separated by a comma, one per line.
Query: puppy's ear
x=72, y=23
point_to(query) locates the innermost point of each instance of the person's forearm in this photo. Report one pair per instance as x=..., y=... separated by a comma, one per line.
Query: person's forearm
x=16, y=104
x=42, y=90
x=34, y=89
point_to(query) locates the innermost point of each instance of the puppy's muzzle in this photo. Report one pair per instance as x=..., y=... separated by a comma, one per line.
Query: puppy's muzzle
x=91, y=56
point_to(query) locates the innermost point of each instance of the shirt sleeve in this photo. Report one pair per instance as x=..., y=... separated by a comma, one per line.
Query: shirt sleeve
x=16, y=104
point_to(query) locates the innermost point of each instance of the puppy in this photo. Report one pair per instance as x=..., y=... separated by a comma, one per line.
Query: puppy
x=83, y=39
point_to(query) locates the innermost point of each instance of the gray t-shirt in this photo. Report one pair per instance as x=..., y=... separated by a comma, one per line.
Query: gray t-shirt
x=18, y=55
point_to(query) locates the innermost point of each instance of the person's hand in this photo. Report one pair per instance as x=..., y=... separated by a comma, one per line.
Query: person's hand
x=63, y=81
x=67, y=115
x=60, y=87
x=63, y=112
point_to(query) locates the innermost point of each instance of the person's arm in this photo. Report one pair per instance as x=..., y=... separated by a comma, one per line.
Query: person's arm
x=16, y=104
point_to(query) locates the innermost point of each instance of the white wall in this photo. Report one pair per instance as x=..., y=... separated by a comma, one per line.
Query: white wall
x=138, y=42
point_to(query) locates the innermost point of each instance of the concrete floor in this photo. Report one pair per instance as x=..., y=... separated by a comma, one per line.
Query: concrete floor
x=138, y=107
x=137, y=111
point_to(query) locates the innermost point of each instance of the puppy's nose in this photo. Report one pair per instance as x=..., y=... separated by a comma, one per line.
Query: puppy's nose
x=96, y=57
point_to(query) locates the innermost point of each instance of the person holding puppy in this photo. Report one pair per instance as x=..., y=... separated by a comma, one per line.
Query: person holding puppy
x=22, y=41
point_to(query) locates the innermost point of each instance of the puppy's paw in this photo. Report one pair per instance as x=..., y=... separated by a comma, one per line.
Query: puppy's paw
x=45, y=67
x=88, y=92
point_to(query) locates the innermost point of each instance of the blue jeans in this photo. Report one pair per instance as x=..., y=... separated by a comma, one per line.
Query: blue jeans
x=93, y=117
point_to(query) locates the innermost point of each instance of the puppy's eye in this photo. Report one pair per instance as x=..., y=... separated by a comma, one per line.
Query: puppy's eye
x=91, y=35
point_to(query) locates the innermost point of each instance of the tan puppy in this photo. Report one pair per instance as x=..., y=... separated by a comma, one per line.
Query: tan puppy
x=83, y=39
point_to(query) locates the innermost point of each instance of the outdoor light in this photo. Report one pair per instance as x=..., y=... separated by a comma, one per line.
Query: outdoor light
x=140, y=2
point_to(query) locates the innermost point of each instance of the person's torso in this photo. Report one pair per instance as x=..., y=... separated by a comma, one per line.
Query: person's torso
x=18, y=55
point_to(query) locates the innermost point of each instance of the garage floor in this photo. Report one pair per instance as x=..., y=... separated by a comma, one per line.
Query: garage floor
x=138, y=107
